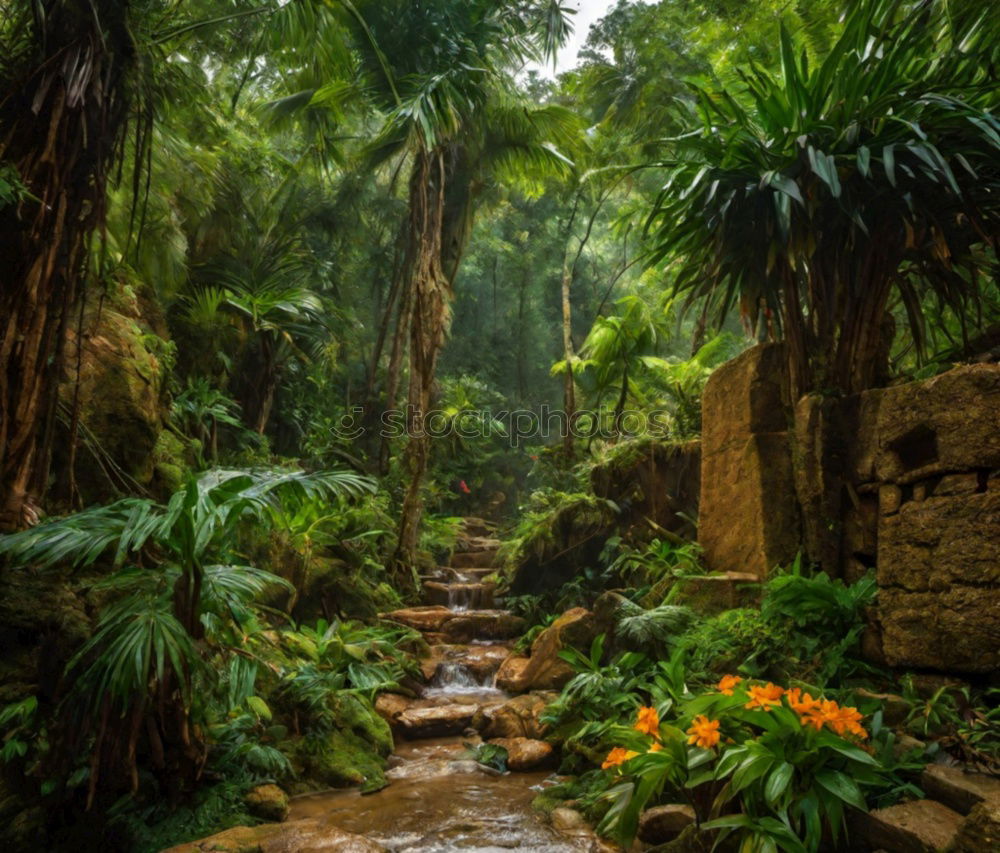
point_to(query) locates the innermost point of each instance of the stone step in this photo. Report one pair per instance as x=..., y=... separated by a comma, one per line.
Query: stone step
x=958, y=789
x=439, y=721
x=478, y=543
x=459, y=626
x=917, y=826
x=477, y=527
x=480, y=661
x=473, y=559
x=460, y=595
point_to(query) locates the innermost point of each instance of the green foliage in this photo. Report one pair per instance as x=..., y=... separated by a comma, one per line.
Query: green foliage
x=806, y=190
x=655, y=631
x=489, y=755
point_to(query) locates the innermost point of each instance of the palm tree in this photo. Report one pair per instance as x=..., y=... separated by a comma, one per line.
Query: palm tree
x=439, y=77
x=64, y=101
x=618, y=349
x=818, y=190
x=177, y=575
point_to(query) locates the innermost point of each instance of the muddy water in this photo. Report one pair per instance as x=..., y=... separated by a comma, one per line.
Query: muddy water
x=438, y=799
x=438, y=802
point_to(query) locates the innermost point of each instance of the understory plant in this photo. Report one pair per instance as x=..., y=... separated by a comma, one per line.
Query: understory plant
x=778, y=768
x=181, y=604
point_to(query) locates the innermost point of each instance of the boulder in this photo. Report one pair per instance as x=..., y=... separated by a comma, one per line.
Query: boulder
x=939, y=580
x=545, y=670
x=510, y=675
x=652, y=479
x=120, y=395
x=660, y=824
x=525, y=753
x=568, y=540
x=438, y=721
x=389, y=706
x=294, y=836
x=980, y=831
x=748, y=514
x=267, y=802
x=568, y=821
x=353, y=753
x=517, y=717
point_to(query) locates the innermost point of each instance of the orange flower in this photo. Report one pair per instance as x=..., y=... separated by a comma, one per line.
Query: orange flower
x=704, y=732
x=656, y=747
x=726, y=685
x=801, y=703
x=617, y=756
x=766, y=697
x=847, y=720
x=648, y=722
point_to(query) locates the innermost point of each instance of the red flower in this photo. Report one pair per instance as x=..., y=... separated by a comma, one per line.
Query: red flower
x=462, y=485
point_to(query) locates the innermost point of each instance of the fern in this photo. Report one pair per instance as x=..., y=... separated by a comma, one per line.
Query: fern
x=653, y=631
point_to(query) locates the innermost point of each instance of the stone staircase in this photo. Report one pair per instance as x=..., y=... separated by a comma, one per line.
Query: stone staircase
x=960, y=814
x=468, y=636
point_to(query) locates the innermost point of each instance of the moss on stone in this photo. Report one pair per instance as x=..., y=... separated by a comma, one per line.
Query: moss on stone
x=353, y=753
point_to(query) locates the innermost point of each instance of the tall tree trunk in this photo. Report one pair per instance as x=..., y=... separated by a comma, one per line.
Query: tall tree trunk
x=569, y=384
x=430, y=315
x=62, y=116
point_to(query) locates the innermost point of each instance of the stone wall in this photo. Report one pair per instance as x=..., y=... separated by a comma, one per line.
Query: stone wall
x=748, y=517
x=917, y=497
x=927, y=472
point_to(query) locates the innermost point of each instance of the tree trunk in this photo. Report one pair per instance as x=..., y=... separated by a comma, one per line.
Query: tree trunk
x=62, y=116
x=569, y=385
x=430, y=315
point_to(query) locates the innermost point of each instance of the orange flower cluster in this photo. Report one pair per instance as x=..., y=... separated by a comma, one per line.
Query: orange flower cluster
x=619, y=755
x=727, y=683
x=648, y=722
x=704, y=732
x=766, y=697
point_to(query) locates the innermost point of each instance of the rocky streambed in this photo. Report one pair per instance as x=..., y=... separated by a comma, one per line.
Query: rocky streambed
x=439, y=798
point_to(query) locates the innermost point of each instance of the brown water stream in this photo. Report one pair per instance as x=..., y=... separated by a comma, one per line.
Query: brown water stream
x=438, y=800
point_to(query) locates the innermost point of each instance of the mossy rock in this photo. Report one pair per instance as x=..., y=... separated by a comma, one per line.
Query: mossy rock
x=352, y=754
x=171, y=460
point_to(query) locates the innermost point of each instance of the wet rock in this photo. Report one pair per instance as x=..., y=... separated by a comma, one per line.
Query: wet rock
x=545, y=670
x=980, y=831
x=568, y=820
x=390, y=705
x=296, y=836
x=958, y=789
x=436, y=721
x=479, y=661
x=661, y=824
x=918, y=826
x=525, y=753
x=510, y=675
x=517, y=717
x=482, y=625
x=422, y=618
x=474, y=559
x=470, y=544
x=455, y=594
x=267, y=802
